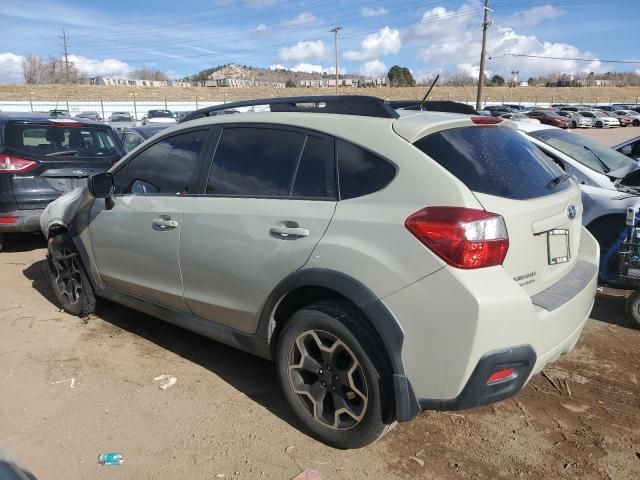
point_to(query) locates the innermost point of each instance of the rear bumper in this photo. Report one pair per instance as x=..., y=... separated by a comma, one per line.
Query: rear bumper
x=27, y=221
x=462, y=326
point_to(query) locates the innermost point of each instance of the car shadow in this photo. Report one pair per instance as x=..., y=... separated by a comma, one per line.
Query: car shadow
x=250, y=375
x=18, y=242
x=611, y=309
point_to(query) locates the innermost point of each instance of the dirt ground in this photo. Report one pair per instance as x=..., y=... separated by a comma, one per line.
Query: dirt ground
x=70, y=390
x=491, y=94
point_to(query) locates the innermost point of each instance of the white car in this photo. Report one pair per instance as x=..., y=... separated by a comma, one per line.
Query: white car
x=158, y=116
x=387, y=264
x=610, y=181
x=600, y=119
x=578, y=120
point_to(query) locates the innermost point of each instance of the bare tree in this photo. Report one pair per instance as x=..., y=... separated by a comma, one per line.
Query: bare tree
x=34, y=69
x=148, y=74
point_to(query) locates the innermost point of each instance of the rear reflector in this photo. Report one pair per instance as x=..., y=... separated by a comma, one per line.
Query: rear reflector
x=9, y=164
x=8, y=220
x=502, y=375
x=462, y=237
x=481, y=120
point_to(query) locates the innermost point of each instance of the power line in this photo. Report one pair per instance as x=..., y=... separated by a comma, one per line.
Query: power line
x=631, y=62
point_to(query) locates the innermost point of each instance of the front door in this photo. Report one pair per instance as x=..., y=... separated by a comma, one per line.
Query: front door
x=269, y=200
x=136, y=243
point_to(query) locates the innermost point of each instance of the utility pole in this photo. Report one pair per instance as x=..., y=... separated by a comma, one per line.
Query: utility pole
x=65, y=39
x=336, y=30
x=483, y=54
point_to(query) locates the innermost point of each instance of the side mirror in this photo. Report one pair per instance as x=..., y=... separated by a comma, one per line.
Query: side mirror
x=101, y=185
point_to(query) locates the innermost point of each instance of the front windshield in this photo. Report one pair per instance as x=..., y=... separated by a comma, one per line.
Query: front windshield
x=573, y=144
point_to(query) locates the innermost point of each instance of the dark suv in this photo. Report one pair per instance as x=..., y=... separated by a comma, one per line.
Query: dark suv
x=42, y=157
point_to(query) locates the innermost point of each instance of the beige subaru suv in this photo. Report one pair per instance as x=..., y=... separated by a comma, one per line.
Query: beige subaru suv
x=387, y=261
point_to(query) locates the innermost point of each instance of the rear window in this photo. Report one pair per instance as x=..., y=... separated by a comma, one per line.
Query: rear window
x=496, y=161
x=66, y=141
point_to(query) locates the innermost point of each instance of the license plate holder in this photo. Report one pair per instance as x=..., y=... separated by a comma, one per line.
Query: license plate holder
x=558, y=247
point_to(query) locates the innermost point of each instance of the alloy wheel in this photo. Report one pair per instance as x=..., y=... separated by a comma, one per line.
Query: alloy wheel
x=68, y=275
x=328, y=380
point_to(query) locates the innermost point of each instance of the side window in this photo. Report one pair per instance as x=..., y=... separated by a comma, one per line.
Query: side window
x=360, y=172
x=131, y=141
x=313, y=178
x=167, y=167
x=253, y=161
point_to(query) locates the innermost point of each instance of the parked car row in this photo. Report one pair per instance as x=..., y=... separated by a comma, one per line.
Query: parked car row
x=574, y=116
x=270, y=232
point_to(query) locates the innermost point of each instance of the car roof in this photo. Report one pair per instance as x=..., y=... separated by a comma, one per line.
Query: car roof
x=411, y=125
x=40, y=117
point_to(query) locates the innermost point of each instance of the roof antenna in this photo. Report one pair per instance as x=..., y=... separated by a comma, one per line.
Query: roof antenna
x=421, y=104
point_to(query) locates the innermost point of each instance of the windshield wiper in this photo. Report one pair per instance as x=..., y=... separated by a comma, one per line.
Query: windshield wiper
x=604, y=165
x=63, y=152
x=558, y=180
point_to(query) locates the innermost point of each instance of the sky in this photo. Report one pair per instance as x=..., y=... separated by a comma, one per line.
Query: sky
x=115, y=37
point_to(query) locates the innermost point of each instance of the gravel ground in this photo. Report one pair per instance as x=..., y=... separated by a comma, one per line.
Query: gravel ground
x=71, y=390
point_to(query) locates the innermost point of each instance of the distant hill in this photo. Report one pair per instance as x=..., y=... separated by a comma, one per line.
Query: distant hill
x=233, y=70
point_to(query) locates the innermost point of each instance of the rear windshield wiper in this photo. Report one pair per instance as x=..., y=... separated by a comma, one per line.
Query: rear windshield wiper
x=558, y=180
x=604, y=165
x=63, y=152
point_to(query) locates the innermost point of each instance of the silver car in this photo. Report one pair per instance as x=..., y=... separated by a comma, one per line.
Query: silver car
x=600, y=119
x=386, y=263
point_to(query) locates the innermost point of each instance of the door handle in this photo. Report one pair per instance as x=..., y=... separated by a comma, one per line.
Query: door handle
x=164, y=223
x=289, y=232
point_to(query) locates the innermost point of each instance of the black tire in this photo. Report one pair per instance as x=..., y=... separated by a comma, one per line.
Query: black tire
x=1, y=241
x=574, y=125
x=599, y=125
x=606, y=230
x=636, y=122
x=68, y=279
x=369, y=377
x=632, y=307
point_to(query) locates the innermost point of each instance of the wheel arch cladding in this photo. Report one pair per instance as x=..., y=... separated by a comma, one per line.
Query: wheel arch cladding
x=308, y=286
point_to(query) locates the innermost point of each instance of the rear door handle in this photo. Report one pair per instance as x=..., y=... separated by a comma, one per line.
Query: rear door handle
x=164, y=223
x=288, y=232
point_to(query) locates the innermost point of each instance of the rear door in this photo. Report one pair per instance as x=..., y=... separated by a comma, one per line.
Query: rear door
x=66, y=153
x=542, y=208
x=268, y=200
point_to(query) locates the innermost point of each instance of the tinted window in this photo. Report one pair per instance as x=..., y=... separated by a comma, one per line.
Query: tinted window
x=496, y=161
x=312, y=176
x=361, y=172
x=131, y=141
x=167, y=167
x=77, y=141
x=255, y=162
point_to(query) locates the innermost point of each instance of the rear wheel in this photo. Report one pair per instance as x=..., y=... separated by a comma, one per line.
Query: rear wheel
x=67, y=277
x=332, y=375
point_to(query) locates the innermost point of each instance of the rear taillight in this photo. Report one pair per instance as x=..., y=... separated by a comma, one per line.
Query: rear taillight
x=9, y=164
x=482, y=120
x=462, y=237
x=8, y=220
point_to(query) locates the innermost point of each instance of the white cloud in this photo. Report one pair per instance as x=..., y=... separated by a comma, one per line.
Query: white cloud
x=373, y=12
x=301, y=19
x=11, y=68
x=384, y=42
x=455, y=41
x=308, y=68
x=373, y=68
x=312, y=50
x=91, y=67
x=531, y=17
x=260, y=31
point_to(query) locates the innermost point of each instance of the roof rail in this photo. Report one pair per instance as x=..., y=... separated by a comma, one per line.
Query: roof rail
x=435, y=106
x=341, y=104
